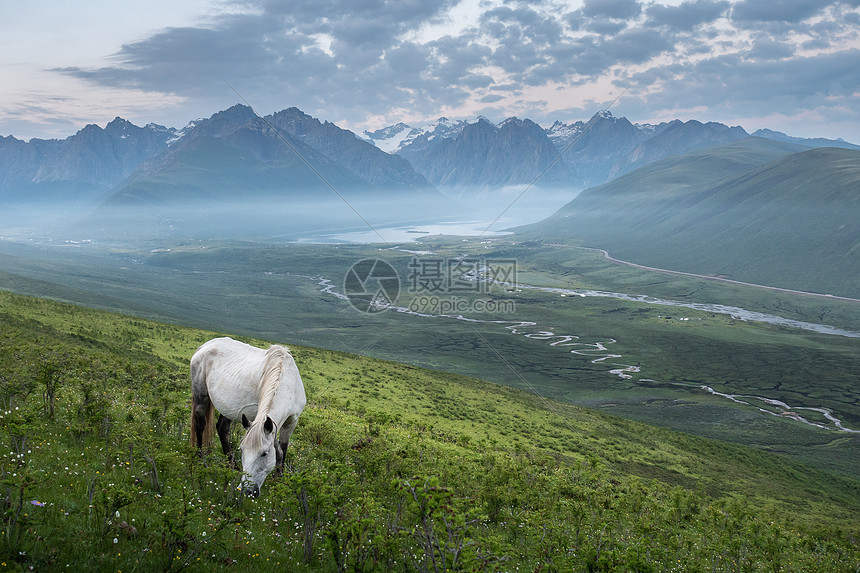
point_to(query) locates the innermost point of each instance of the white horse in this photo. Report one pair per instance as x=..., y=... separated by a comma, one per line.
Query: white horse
x=240, y=380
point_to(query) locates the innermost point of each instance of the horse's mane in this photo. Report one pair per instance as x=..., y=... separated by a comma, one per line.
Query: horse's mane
x=272, y=368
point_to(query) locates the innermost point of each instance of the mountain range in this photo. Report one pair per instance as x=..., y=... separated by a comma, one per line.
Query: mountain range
x=453, y=156
x=236, y=156
x=659, y=194
x=591, y=153
x=81, y=166
x=485, y=156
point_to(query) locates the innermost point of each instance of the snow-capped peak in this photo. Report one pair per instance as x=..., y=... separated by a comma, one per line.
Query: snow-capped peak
x=560, y=133
x=390, y=139
x=395, y=137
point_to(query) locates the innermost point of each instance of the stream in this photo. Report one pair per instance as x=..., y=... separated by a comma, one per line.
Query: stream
x=735, y=312
x=599, y=353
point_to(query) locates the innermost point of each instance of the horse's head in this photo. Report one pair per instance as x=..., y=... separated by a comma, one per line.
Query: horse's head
x=258, y=454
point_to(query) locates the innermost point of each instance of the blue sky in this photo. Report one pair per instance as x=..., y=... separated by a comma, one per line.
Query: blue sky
x=788, y=65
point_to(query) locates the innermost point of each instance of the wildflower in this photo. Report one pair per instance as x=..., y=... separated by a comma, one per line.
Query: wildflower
x=39, y=503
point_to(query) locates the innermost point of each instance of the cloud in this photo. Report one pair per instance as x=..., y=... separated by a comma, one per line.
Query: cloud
x=792, y=11
x=686, y=17
x=274, y=58
x=636, y=46
x=615, y=9
x=766, y=49
x=791, y=86
x=357, y=60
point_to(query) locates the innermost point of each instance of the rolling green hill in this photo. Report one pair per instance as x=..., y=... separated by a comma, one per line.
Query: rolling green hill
x=751, y=211
x=391, y=467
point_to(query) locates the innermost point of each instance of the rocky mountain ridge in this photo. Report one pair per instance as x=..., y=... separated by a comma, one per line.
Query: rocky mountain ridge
x=591, y=152
x=87, y=163
x=458, y=156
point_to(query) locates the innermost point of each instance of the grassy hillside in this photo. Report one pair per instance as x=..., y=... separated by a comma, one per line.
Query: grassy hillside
x=392, y=467
x=741, y=211
x=269, y=292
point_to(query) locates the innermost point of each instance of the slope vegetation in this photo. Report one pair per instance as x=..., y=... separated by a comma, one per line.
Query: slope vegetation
x=748, y=211
x=392, y=467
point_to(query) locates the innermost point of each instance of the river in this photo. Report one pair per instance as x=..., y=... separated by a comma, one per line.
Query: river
x=599, y=352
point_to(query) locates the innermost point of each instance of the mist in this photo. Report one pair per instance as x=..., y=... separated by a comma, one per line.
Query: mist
x=300, y=217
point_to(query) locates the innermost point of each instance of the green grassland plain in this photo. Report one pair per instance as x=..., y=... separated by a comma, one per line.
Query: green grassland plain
x=274, y=291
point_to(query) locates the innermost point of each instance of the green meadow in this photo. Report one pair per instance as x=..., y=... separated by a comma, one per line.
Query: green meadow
x=392, y=467
x=275, y=292
x=756, y=211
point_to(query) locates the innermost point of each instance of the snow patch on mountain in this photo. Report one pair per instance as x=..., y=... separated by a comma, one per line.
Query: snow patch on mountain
x=180, y=133
x=394, y=138
x=560, y=133
x=390, y=139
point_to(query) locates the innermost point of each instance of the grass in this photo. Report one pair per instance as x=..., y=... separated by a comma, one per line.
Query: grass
x=789, y=222
x=392, y=467
x=267, y=291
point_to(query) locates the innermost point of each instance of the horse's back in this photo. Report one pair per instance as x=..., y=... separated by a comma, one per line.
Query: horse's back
x=224, y=346
x=231, y=371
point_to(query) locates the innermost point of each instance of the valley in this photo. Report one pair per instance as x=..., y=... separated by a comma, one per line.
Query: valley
x=609, y=257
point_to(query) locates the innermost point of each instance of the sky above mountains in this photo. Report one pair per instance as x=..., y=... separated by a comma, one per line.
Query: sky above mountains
x=789, y=65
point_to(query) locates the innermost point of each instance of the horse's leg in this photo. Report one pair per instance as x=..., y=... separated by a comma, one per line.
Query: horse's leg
x=201, y=413
x=283, y=442
x=223, y=427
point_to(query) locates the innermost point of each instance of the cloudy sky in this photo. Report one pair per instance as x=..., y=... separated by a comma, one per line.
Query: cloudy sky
x=789, y=65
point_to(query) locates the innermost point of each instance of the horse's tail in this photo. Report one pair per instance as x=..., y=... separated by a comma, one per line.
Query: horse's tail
x=208, y=417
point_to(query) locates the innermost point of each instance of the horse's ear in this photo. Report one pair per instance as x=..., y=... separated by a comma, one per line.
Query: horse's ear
x=269, y=425
x=245, y=422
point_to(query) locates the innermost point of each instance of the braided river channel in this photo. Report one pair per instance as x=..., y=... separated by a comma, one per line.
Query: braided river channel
x=600, y=352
